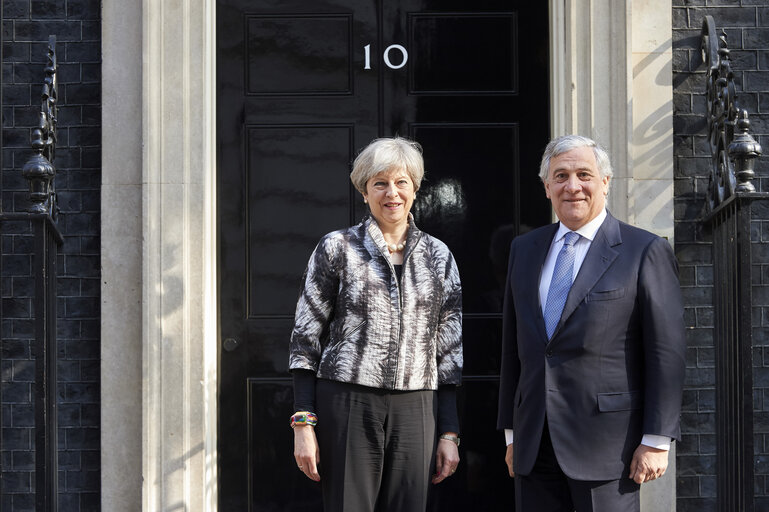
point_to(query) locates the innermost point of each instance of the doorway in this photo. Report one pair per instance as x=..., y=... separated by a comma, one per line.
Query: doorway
x=302, y=87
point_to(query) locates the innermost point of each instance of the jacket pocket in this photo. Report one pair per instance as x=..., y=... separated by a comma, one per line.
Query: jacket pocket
x=627, y=401
x=606, y=295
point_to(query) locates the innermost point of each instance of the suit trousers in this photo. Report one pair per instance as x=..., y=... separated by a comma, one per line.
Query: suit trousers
x=377, y=447
x=548, y=489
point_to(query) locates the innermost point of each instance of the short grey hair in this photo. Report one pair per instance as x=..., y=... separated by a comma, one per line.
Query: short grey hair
x=566, y=143
x=387, y=154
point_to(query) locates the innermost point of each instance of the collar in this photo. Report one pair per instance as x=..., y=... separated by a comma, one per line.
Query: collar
x=587, y=231
x=371, y=226
x=370, y=222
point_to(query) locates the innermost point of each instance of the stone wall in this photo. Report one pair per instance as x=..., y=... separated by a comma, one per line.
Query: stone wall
x=747, y=26
x=26, y=25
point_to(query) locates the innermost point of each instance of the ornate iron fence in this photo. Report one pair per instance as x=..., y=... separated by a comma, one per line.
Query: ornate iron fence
x=730, y=204
x=40, y=221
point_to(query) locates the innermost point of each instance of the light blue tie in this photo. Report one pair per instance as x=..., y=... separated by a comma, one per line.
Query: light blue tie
x=560, y=283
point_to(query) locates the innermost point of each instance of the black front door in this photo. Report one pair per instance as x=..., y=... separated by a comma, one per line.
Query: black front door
x=302, y=87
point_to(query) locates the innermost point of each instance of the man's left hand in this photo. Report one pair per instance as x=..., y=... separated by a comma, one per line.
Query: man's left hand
x=648, y=464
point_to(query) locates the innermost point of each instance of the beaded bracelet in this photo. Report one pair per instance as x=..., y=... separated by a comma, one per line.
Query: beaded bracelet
x=304, y=418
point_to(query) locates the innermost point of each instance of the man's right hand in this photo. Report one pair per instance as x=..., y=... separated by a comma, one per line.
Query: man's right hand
x=509, y=459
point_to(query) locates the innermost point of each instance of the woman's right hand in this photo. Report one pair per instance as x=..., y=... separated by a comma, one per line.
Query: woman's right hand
x=306, y=451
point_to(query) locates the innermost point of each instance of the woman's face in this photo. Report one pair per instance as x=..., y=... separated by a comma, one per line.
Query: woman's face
x=390, y=195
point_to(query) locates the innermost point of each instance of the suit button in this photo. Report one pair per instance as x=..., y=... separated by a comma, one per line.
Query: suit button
x=549, y=353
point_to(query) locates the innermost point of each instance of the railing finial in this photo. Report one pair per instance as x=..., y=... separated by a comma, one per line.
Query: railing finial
x=743, y=151
x=39, y=169
x=733, y=148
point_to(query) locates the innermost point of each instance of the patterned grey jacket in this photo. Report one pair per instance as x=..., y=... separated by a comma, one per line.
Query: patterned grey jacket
x=356, y=323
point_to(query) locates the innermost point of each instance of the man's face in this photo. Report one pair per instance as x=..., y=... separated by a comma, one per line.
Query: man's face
x=575, y=187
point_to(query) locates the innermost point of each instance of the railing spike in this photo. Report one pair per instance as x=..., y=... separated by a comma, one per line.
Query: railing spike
x=733, y=148
x=39, y=170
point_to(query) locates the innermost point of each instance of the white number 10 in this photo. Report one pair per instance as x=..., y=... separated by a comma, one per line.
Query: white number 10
x=386, y=56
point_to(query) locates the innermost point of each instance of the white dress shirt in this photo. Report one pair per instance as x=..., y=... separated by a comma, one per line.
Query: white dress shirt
x=587, y=234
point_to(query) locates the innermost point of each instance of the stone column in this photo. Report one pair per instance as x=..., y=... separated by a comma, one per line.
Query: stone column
x=121, y=257
x=591, y=86
x=612, y=81
x=158, y=236
x=179, y=264
x=650, y=190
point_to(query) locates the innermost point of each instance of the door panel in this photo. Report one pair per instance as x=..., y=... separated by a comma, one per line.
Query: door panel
x=299, y=55
x=297, y=186
x=302, y=87
x=446, y=46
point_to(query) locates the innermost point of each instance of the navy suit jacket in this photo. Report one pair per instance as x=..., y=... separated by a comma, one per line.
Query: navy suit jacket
x=614, y=368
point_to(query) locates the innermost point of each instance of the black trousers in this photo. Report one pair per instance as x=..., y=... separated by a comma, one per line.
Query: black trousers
x=548, y=489
x=376, y=447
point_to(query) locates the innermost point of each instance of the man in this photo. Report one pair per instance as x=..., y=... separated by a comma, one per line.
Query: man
x=593, y=347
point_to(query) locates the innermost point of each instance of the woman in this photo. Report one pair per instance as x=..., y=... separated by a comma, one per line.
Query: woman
x=376, y=350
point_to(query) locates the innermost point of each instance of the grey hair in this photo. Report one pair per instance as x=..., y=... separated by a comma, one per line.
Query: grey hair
x=565, y=143
x=387, y=154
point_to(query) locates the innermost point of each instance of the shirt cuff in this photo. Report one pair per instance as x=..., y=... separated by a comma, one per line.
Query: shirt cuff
x=508, y=436
x=655, y=441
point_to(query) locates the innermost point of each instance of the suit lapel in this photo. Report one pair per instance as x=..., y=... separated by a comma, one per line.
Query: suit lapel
x=538, y=253
x=599, y=258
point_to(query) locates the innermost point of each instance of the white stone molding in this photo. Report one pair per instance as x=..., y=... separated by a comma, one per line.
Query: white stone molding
x=121, y=257
x=158, y=211
x=651, y=191
x=179, y=263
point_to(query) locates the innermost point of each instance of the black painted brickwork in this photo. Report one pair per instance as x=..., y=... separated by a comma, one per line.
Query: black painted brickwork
x=26, y=26
x=747, y=26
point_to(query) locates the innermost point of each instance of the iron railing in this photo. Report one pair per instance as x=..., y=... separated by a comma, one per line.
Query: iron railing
x=40, y=220
x=730, y=203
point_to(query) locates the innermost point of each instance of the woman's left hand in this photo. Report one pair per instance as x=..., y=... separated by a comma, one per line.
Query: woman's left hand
x=446, y=460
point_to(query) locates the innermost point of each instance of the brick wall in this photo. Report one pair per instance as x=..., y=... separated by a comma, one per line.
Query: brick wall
x=26, y=26
x=747, y=26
